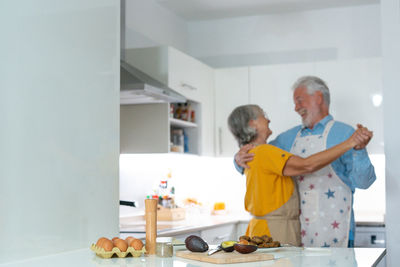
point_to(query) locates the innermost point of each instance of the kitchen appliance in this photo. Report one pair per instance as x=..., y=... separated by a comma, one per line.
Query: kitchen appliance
x=136, y=87
x=370, y=235
x=128, y=203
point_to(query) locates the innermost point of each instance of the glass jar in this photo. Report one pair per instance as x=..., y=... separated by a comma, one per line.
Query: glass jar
x=164, y=247
x=177, y=140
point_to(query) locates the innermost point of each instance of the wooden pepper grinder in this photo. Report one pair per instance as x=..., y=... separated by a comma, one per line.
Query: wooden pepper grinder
x=151, y=225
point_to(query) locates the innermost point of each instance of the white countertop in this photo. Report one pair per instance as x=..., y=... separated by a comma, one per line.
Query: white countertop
x=136, y=225
x=190, y=224
x=293, y=257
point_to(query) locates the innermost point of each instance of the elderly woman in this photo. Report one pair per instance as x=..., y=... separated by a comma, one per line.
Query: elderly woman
x=271, y=194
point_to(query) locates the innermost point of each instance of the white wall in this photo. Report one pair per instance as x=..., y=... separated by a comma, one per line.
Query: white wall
x=149, y=24
x=317, y=35
x=59, y=112
x=390, y=13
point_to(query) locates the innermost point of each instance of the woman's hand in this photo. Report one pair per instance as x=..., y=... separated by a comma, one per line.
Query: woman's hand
x=361, y=137
x=296, y=165
x=367, y=135
x=242, y=157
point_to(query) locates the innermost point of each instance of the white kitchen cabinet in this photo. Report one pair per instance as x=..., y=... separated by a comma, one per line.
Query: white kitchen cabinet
x=187, y=76
x=241, y=229
x=218, y=234
x=271, y=89
x=370, y=237
x=231, y=90
x=354, y=86
x=182, y=237
x=146, y=128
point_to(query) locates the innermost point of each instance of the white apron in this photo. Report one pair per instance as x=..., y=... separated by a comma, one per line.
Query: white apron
x=325, y=201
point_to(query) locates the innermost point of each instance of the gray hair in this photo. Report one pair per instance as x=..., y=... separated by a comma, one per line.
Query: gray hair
x=238, y=122
x=313, y=84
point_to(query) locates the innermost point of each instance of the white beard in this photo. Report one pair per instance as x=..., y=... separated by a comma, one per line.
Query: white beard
x=308, y=120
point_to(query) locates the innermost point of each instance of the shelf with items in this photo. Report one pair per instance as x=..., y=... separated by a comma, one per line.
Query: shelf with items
x=180, y=123
x=184, y=111
x=189, y=77
x=184, y=128
x=148, y=128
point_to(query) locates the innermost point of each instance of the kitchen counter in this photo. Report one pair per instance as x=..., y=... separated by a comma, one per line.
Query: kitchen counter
x=293, y=257
x=172, y=228
x=136, y=226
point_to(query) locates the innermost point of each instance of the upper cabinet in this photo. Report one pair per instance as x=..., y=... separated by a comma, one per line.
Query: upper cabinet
x=271, y=89
x=355, y=88
x=190, y=77
x=185, y=75
x=151, y=128
x=356, y=94
x=144, y=128
x=231, y=90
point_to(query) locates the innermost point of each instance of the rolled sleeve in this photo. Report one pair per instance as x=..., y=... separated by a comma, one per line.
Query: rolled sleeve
x=362, y=174
x=237, y=167
x=357, y=170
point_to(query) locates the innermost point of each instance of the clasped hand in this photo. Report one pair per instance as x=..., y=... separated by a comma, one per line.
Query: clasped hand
x=362, y=136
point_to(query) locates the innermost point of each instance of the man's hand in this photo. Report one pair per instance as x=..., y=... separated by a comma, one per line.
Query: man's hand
x=366, y=136
x=242, y=157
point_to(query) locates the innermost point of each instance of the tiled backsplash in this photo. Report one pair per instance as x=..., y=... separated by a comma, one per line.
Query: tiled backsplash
x=211, y=180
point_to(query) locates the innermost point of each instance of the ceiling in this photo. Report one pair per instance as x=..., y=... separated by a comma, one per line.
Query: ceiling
x=216, y=9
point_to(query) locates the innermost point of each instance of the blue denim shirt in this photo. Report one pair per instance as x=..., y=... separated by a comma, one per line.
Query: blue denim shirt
x=353, y=167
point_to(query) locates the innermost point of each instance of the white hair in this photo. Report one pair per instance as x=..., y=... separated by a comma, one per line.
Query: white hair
x=313, y=84
x=238, y=122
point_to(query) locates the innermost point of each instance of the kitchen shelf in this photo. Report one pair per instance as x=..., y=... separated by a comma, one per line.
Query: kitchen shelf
x=148, y=128
x=181, y=123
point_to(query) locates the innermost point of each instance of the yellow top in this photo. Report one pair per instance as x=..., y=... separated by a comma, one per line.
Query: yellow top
x=266, y=187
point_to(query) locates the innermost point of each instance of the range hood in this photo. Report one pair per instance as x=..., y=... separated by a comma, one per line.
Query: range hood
x=137, y=87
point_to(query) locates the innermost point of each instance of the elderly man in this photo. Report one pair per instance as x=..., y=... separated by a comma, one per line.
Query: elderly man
x=326, y=196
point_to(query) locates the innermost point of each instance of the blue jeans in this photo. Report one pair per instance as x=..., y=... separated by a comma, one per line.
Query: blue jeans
x=351, y=244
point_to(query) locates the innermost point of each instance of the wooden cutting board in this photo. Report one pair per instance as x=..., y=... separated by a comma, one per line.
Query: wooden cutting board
x=225, y=257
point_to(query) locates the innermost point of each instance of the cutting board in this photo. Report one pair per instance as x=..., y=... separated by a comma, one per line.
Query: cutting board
x=225, y=257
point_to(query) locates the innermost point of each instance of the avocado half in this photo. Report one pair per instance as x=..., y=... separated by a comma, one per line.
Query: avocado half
x=228, y=246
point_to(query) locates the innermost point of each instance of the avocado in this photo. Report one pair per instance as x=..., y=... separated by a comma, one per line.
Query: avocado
x=195, y=243
x=227, y=246
x=244, y=249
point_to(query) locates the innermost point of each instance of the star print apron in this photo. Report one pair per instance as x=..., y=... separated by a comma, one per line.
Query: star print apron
x=325, y=201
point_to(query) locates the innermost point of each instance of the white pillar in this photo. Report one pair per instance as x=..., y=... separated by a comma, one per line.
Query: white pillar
x=390, y=19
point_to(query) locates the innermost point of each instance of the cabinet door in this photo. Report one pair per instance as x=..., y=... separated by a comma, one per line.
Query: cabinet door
x=370, y=237
x=186, y=75
x=216, y=235
x=144, y=128
x=354, y=86
x=189, y=77
x=151, y=60
x=195, y=81
x=231, y=90
x=271, y=89
x=182, y=237
x=241, y=229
